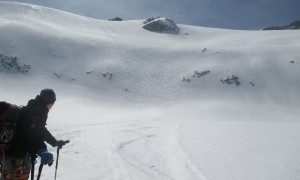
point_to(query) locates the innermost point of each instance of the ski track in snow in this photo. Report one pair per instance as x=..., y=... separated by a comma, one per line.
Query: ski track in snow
x=135, y=149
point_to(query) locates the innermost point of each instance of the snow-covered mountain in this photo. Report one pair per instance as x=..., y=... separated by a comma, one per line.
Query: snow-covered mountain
x=201, y=104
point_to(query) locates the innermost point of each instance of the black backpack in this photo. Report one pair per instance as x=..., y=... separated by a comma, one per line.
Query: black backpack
x=9, y=117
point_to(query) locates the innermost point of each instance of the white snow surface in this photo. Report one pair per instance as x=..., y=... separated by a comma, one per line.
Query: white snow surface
x=145, y=122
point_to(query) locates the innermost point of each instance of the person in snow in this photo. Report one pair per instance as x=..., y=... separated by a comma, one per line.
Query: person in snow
x=31, y=134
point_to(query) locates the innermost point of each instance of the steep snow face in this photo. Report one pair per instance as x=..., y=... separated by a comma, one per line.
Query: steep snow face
x=202, y=104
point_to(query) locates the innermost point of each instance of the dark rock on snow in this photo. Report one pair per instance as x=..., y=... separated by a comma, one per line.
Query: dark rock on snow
x=116, y=19
x=11, y=64
x=252, y=83
x=234, y=79
x=161, y=24
x=200, y=74
x=108, y=75
x=186, y=79
x=293, y=25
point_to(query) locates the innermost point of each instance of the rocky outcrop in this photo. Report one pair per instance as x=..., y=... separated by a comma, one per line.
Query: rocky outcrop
x=233, y=80
x=161, y=25
x=116, y=19
x=197, y=74
x=293, y=25
x=11, y=65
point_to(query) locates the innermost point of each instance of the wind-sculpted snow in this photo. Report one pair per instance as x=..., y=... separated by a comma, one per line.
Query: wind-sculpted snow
x=122, y=102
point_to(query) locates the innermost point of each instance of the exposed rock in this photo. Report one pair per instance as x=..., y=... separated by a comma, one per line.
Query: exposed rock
x=108, y=75
x=186, y=80
x=197, y=74
x=273, y=28
x=90, y=72
x=293, y=25
x=161, y=24
x=234, y=79
x=252, y=83
x=11, y=64
x=116, y=19
x=150, y=19
x=293, y=62
x=200, y=74
x=57, y=75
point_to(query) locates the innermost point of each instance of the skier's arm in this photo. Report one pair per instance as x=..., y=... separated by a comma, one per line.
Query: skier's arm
x=37, y=134
x=48, y=137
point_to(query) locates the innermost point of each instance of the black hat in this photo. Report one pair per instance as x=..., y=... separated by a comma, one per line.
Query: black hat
x=48, y=95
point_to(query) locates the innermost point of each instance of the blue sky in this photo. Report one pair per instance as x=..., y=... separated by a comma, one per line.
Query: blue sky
x=230, y=14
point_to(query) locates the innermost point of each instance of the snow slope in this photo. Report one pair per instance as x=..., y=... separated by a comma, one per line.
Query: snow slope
x=145, y=122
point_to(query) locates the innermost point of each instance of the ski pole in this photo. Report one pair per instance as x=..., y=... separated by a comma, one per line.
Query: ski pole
x=33, y=158
x=40, y=171
x=56, y=163
x=58, y=148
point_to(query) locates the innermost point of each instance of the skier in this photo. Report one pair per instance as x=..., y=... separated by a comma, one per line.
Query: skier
x=30, y=136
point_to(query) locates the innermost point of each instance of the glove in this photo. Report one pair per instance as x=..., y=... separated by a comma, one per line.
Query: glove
x=46, y=157
x=61, y=143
